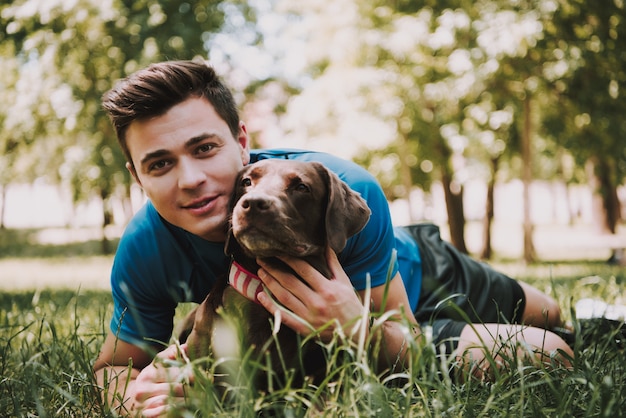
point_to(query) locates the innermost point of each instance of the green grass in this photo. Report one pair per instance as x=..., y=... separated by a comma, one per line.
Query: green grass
x=49, y=339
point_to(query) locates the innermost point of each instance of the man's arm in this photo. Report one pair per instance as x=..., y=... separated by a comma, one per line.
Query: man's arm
x=393, y=332
x=131, y=381
x=116, y=369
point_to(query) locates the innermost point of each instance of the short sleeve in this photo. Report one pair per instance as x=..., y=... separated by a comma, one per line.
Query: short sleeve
x=371, y=251
x=144, y=296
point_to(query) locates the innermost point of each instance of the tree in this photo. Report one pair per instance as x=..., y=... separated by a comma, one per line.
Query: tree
x=587, y=85
x=81, y=50
x=457, y=87
x=8, y=77
x=469, y=89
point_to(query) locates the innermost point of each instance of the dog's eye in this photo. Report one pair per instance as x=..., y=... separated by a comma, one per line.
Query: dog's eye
x=301, y=187
x=246, y=182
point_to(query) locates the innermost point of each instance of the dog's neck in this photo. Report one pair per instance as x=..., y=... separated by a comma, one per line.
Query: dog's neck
x=243, y=268
x=318, y=262
x=244, y=264
x=244, y=281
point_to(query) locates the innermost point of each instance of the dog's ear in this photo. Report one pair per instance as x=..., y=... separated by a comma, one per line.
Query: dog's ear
x=346, y=212
x=231, y=246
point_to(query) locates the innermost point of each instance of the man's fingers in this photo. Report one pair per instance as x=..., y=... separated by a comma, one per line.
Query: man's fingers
x=281, y=282
x=335, y=267
x=309, y=277
x=284, y=287
x=154, y=407
x=170, y=353
x=287, y=317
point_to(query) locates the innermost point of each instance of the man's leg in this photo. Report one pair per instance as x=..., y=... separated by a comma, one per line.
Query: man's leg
x=541, y=310
x=483, y=346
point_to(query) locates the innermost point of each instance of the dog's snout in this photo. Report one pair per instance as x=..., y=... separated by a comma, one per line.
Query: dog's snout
x=256, y=203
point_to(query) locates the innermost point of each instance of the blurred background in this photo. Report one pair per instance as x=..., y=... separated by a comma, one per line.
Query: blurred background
x=503, y=121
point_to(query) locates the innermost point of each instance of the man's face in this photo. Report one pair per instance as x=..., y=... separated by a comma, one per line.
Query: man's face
x=186, y=161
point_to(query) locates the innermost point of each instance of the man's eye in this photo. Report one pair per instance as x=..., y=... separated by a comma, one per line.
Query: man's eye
x=158, y=165
x=246, y=182
x=204, y=148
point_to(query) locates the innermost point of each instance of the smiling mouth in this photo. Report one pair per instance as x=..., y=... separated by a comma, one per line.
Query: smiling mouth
x=198, y=204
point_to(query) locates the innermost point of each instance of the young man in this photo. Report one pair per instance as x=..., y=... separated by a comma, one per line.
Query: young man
x=180, y=131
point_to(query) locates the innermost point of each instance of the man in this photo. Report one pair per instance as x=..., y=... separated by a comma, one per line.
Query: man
x=180, y=131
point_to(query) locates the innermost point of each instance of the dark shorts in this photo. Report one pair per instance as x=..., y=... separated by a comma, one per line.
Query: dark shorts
x=457, y=289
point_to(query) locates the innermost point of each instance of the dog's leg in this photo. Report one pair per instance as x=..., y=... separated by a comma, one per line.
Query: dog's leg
x=183, y=329
x=199, y=339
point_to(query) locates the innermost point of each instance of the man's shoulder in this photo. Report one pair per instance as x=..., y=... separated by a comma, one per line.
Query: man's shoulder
x=298, y=154
x=145, y=224
x=147, y=253
x=150, y=238
x=347, y=170
x=147, y=236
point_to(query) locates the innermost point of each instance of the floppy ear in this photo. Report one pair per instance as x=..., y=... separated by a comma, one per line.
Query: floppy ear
x=346, y=212
x=232, y=247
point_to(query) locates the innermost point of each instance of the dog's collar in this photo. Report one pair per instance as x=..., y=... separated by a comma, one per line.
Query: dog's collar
x=246, y=283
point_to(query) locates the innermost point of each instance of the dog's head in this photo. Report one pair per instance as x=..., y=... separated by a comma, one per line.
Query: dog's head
x=287, y=207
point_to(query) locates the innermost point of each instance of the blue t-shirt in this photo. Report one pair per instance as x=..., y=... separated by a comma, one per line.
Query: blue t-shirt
x=158, y=265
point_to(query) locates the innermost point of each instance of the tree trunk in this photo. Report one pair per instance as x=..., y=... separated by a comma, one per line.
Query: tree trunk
x=608, y=208
x=3, y=206
x=573, y=209
x=454, y=207
x=405, y=175
x=529, y=248
x=107, y=218
x=608, y=190
x=607, y=213
x=127, y=204
x=486, y=252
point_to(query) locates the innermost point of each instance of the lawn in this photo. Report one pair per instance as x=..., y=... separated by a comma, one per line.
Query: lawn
x=49, y=338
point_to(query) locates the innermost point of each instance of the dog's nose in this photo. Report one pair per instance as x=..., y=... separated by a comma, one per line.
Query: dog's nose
x=256, y=203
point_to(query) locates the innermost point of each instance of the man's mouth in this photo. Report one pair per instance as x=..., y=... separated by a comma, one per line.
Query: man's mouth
x=199, y=203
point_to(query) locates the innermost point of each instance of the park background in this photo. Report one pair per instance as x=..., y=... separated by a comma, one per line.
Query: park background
x=500, y=120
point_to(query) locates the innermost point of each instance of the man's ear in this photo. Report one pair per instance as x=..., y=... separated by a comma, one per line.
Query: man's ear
x=133, y=172
x=244, y=143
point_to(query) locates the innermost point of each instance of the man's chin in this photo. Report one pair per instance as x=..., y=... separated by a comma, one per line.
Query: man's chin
x=210, y=231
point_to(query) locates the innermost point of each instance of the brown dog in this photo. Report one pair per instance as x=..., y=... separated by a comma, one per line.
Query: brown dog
x=280, y=207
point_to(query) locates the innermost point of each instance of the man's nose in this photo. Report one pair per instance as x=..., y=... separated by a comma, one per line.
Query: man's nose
x=190, y=174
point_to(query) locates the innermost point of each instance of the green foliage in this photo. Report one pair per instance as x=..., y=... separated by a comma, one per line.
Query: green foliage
x=589, y=41
x=63, y=58
x=463, y=77
x=447, y=79
x=49, y=339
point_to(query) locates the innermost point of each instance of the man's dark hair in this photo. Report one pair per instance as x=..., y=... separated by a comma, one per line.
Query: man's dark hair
x=154, y=90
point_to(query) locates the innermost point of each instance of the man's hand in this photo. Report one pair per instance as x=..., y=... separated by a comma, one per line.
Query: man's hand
x=161, y=383
x=318, y=303
x=326, y=300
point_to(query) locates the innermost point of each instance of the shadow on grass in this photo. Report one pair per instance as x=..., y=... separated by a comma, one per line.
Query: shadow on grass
x=23, y=243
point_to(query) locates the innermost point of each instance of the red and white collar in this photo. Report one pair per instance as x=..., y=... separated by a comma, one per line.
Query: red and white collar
x=246, y=283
